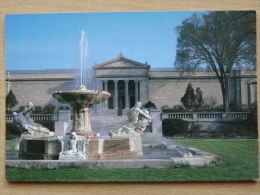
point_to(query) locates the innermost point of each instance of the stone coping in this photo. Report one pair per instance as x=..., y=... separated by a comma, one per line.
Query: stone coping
x=119, y=163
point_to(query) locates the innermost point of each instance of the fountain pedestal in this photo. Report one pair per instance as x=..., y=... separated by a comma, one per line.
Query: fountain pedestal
x=81, y=101
x=123, y=147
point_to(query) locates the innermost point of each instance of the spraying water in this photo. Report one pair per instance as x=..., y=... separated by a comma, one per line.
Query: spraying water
x=83, y=46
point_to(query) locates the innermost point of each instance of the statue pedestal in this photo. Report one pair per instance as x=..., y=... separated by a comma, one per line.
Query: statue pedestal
x=60, y=128
x=72, y=156
x=39, y=148
x=118, y=147
x=73, y=147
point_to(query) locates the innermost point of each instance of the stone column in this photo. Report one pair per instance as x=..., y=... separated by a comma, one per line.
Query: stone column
x=255, y=93
x=100, y=84
x=106, y=89
x=144, y=96
x=136, y=91
x=238, y=89
x=105, y=85
x=115, y=95
x=126, y=95
x=249, y=94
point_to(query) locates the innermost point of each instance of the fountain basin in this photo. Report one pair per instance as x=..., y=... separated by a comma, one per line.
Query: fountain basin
x=81, y=101
x=170, y=158
x=81, y=97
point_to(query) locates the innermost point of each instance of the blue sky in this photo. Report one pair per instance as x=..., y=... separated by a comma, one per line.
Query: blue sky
x=51, y=41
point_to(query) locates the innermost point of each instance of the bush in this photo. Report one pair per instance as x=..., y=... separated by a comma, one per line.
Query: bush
x=48, y=108
x=165, y=107
x=209, y=104
x=234, y=129
x=173, y=127
x=176, y=108
x=245, y=129
x=196, y=132
x=21, y=108
x=12, y=130
x=150, y=105
x=37, y=109
x=226, y=129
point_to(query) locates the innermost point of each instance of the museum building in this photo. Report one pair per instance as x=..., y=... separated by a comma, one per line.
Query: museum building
x=130, y=81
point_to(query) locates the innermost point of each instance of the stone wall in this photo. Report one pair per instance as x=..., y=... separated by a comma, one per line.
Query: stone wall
x=38, y=92
x=162, y=87
x=169, y=91
x=167, y=87
x=38, y=87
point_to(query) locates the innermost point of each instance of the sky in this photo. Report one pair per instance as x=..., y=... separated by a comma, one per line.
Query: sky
x=51, y=41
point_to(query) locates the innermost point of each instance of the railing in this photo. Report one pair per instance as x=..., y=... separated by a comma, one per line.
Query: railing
x=187, y=116
x=35, y=117
x=206, y=116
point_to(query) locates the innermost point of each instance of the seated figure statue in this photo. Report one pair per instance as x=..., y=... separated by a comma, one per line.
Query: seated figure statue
x=70, y=149
x=138, y=120
x=24, y=120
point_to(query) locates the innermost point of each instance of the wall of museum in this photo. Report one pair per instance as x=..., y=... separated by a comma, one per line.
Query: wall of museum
x=166, y=88
x=38, y=86
x=38, y=92
x=170, y=91
x=163, y=88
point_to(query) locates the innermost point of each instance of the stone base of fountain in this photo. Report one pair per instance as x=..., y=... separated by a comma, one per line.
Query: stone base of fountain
x=72, y=156
x=109, y=148
x=111, y=152
x=42, y=148
x=106, y=148
x=154, y=156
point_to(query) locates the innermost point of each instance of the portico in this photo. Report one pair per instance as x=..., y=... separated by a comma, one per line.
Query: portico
x=125, y=79
x=125, y=92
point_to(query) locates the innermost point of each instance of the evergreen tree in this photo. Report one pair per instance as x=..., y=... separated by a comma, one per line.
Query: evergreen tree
x=198, y=98
x=150, y=105
x=188, y=99
x=10, y=100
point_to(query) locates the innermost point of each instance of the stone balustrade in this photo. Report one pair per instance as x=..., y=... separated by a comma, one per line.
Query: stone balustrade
x=187, y=116
x=206, y=116
x=36, y=117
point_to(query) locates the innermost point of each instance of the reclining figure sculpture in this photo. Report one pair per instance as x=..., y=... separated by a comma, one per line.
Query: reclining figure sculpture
x=138, y=120
x=26, y=123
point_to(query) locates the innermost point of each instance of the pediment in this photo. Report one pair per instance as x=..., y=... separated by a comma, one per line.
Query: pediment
x=122, y=63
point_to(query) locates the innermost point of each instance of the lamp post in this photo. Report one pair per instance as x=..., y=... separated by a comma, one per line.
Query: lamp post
x=227, y=88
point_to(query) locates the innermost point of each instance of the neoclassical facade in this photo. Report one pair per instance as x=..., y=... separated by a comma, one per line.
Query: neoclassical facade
x=125, y=79
x=130, y=81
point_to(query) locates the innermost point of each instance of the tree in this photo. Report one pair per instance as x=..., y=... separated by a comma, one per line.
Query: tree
x=198, y=98
x=188, y=99
x=10, y=100
x=150, y=104
x=219, y=41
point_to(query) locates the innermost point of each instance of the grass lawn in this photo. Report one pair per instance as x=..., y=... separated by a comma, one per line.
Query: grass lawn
x=240, y=162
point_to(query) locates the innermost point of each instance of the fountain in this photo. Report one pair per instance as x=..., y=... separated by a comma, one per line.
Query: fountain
x=81, y=100
x=82, y=143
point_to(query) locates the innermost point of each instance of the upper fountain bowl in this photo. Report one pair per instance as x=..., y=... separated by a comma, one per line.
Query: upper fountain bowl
x=81, y=96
